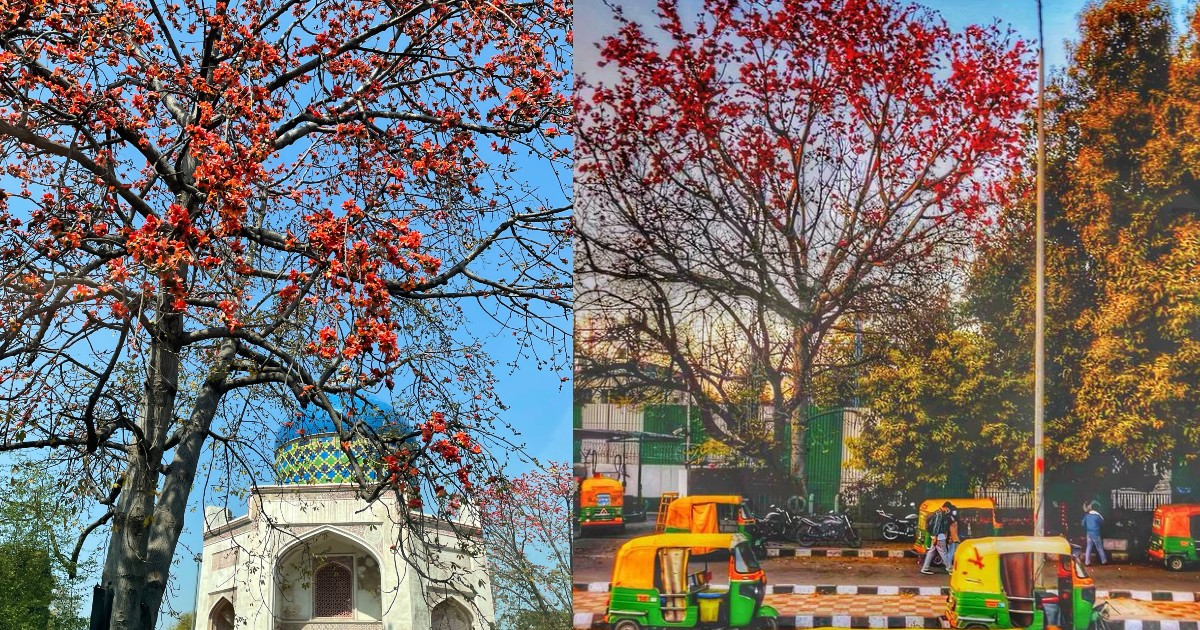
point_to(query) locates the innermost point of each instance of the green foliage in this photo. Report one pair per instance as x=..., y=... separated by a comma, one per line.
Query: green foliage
x=531, y=620
x=1124, y=246
x=940, y=412
x=27, y=586
x=1123, y=285
x=36, y=525
x=185, y=622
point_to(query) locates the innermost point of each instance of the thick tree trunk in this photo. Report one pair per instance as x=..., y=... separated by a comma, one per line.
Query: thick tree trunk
x=177, y=484
x=140, y=553
x=125, y=566
x=799, y=473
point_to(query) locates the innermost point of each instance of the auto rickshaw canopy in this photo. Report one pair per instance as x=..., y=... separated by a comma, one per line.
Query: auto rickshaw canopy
x=634, y=567
x=977, y=560
x=598, y=485
x=930, y=505
x=698, y=513
x=1174, y=519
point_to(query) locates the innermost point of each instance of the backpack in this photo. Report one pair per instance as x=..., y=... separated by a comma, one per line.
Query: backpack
x=936, y=523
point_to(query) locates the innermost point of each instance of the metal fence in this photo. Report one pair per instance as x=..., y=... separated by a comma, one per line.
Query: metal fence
x=1007, y=498
x=1138, y=501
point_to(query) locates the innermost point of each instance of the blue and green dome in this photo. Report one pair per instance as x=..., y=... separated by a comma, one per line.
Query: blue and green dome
x=309, y=450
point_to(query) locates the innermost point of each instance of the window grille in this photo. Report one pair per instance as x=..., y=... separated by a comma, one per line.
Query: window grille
x=332, y=590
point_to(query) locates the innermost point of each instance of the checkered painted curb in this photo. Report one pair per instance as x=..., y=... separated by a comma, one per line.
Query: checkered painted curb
x=809, y=589
x=589, y=621
x=830, y=589
x=1150, y=596
x=792, y=552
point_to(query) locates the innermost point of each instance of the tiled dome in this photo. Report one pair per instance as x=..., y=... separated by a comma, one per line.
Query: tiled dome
x=319, y=459
x=310, y=451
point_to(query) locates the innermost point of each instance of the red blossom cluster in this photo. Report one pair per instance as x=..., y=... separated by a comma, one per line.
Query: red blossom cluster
x=452, y=453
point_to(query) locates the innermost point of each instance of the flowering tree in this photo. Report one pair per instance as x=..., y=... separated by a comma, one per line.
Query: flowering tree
x=527, y=533
x=772, y=171
x=210, y=208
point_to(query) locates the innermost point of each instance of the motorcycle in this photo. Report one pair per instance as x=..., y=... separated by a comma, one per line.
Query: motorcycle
x=778, y=524
x=832, y=527
x=894, y=528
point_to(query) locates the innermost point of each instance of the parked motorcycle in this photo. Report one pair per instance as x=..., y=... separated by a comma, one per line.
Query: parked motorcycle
x=833, y=527
x=779, y=524
x=894, y=528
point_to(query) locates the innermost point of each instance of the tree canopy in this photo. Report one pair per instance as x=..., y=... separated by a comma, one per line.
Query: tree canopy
x=527, y=534
x=217, y=214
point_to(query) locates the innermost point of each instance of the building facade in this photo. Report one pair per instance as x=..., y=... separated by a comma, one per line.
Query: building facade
x=311, y=555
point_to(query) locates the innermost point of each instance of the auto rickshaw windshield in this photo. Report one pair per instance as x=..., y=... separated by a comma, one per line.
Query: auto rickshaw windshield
x=743, y=559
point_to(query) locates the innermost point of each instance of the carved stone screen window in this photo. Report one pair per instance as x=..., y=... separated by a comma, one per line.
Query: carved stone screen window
x=333, y=589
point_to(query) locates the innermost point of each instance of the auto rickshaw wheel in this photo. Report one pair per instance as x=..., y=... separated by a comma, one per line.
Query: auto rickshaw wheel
x=767, y=623
x=627, y=624
x=1175, y=563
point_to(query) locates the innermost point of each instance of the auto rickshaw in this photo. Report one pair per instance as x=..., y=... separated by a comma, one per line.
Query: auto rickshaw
x=667, y=581
x=1174, y=534
x=1020, y=582
x=601, y=500
x=976, y=518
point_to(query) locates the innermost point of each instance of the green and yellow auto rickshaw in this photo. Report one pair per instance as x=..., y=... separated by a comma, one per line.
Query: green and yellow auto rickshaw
x=1174, y=534
x=1020, y=582
x=601, y=503
x=688, y=581
x=976, y=518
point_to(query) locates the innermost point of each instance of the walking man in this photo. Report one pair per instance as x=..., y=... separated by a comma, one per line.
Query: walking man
x=938, y=526
x=1091, y=525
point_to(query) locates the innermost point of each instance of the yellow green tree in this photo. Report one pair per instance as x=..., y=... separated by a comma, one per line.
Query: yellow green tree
x=942, y=414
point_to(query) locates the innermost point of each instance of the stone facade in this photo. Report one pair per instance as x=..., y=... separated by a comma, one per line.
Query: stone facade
x=316, y=557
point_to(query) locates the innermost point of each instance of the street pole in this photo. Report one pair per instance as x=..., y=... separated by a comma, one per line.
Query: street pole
x=196, y=595
x=687, y=444
x=1039, y=349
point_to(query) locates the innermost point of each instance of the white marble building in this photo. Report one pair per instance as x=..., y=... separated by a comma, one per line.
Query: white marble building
x=316, y=557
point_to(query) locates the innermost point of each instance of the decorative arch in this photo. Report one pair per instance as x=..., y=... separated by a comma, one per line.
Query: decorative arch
x=338, y=578
x=337, y=532
x=450, y=614
x=222, y=616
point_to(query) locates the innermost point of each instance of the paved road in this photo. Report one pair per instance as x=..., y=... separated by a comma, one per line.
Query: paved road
x=593, y=563
x=912, y=606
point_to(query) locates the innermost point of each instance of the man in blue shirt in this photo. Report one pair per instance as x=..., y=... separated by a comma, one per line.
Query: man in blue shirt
x=1091, y=525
